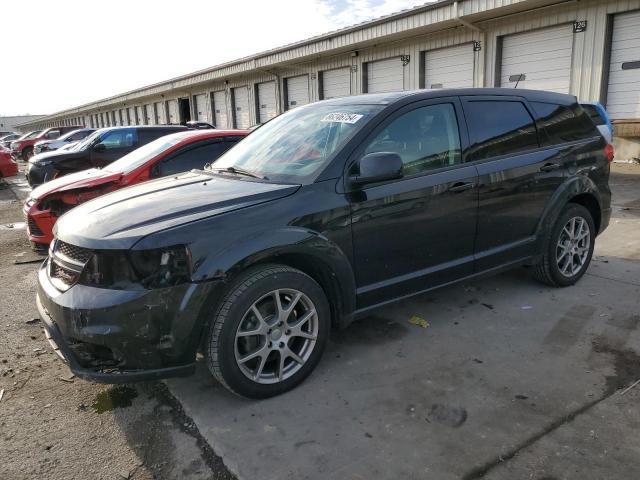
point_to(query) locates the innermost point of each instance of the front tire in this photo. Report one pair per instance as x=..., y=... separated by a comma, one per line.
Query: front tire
x=269, y=331
x=27, y=153
x=568, y=248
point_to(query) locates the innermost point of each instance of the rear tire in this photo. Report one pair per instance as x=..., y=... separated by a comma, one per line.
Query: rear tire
x=568, y=248
x=269, y=331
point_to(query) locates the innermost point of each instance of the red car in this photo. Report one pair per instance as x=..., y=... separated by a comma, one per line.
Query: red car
x=8, y=168
x=168, y=155
x=23, y=147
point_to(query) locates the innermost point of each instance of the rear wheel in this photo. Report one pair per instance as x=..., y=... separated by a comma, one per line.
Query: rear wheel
x=568, y=248
x=269, y=331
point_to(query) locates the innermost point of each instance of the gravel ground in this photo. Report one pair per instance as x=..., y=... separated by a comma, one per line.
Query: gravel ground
x=55, y=426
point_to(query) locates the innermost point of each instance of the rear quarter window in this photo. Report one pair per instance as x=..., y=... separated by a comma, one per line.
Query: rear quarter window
x=562, y=123
x=594, y=115
x=499, y=128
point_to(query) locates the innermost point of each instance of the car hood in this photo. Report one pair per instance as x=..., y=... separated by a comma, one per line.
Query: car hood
x=84, y=179
x=121, y=218
x=56, y=156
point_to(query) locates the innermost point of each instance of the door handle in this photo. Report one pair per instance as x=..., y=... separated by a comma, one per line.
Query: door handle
x=549, y=167
x=461, y=187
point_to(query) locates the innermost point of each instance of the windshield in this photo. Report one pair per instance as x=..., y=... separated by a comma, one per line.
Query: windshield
x=296, y=146
x=141, y=155
x=87, y=141
x=26, y=136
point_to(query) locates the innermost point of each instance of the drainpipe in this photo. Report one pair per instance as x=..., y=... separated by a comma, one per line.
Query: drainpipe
x=464, y=22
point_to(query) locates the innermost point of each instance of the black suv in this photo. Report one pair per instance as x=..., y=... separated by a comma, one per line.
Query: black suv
x=324, y=214
x=97, y=150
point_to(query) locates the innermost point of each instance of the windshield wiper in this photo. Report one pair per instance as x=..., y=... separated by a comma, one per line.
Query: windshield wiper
x=239, y=171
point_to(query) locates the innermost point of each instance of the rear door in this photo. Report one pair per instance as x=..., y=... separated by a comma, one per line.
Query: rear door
x=517, y=177
x=418, y=231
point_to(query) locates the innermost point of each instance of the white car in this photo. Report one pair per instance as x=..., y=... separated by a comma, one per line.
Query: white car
x=70, y=137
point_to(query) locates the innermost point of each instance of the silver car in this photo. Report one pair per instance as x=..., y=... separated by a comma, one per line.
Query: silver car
x=70, y=137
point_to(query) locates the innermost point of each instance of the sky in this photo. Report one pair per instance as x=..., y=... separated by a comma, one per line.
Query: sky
x=64, y=53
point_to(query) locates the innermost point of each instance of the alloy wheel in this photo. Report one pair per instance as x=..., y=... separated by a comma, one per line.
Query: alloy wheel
x=276, y=336
x=572, y=249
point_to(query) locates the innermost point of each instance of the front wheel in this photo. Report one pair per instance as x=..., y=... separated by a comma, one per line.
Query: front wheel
x=568, y=248
x=269, y=331
x=27, y=153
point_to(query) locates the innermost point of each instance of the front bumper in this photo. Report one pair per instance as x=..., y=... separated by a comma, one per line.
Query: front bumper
x=121, y=336
x=39, y=224
x=38, y=174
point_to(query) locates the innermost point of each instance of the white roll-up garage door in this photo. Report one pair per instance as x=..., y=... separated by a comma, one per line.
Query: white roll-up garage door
x=297, y=91
x=336, y=83
x=266, y=101
x=220, y=109
x=140, y=114
x=623, y=93
x=541, y=59
x=450, y=67
x=202, y=112
x=162, y=118
x=132, y=116
x=385, y=76
x=149, y=114
x=241, y=107
x=172, y=110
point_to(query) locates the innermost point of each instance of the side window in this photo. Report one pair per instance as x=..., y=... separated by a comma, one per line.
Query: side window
x=563, y=124
x=593, y=113
x=231, y=141
x=499, y=128
x=426, y=138
x=52, y=135
x=194, y=157
x=121, y=138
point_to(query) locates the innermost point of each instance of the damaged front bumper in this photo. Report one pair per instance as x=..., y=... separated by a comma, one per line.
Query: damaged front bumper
x=122, y=336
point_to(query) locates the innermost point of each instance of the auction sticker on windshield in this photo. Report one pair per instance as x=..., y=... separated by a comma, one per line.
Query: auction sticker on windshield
x=342, y=117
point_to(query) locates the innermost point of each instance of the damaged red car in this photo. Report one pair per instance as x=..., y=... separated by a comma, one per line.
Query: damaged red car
x=168, y=155
x=8, y=167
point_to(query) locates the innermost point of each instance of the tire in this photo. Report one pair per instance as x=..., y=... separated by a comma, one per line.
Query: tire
x=230, y=343
x=27, y=153
x=554, y=269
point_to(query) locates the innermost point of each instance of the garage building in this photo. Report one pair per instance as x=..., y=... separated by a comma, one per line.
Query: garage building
x=588, y=48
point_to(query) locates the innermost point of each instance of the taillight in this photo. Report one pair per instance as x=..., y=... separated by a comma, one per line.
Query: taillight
x=609, y=152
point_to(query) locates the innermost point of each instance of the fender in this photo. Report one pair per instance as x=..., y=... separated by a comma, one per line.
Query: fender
x=570, y=188
x=294, y=246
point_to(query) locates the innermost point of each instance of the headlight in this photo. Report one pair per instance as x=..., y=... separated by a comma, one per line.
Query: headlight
x=162, y=267
x=157, y=268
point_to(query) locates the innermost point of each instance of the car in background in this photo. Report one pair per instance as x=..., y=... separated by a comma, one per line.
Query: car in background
x=168, y=155
x=70, y=137
x=197, y=124
x=600, y=118
x=23, y=147
x=8, y=166
x=96, y=151
x=7, y=138
x=23, y=138
x=326, y=214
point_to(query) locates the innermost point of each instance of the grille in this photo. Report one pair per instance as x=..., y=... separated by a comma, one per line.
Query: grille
x=78, y=254
x=66, y=276
x=33, y=228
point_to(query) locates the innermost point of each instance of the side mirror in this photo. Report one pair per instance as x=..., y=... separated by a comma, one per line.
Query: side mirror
x=100, y=147
x=378, y=167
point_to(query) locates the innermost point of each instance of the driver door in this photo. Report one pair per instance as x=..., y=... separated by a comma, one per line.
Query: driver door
x=418, y=231
x=113, y=145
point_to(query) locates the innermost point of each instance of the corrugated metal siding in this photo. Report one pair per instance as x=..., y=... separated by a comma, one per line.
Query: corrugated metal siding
x=407, y=34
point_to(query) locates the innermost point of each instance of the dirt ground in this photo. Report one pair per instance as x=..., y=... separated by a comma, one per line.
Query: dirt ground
x=55, y=426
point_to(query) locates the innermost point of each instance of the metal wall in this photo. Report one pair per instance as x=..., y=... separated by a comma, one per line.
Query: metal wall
x=405, y=36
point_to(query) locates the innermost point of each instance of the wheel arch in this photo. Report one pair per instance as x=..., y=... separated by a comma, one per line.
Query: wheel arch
x=580, y=190
x=307, y=251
